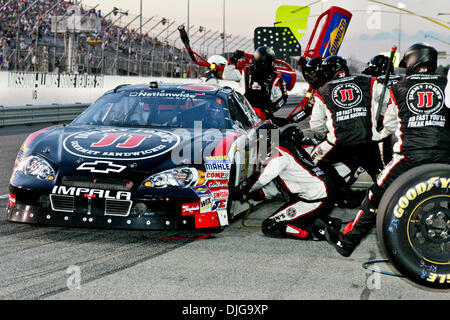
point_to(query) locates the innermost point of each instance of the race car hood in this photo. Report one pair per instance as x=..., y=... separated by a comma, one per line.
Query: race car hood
x=87, y=150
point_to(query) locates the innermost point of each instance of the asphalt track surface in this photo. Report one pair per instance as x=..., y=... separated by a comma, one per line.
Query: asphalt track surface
x=239, y=263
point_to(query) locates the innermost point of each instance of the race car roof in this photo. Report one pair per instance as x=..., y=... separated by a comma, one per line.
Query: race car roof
x=195, y=87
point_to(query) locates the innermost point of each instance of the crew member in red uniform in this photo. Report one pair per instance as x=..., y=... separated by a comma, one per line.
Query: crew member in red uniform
x=265, y=88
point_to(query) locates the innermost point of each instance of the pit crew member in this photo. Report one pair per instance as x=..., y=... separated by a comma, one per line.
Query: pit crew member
x=377, y=67
x=419, y=141
x=344, y=114
x=265, y=88
x=308, y=193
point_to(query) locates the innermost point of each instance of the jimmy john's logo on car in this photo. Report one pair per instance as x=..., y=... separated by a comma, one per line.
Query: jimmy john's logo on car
x=347, y=95
x=91, y=193
x=120, y=144
x=425, y=99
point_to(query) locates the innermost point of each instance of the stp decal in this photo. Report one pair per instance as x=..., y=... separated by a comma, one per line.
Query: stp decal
x=120, y=144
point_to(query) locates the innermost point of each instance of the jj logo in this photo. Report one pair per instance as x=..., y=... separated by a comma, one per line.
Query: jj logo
x=132, y=140
x=346, y=94
x=428, y=96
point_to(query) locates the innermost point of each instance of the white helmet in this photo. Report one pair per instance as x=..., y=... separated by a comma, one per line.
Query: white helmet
x=217, y=60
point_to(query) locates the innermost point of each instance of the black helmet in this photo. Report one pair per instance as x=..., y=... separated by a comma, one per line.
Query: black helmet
x=292, y=134
x=419, y=55
x=331, y=65
x=377, y=66
x=264, y=60
x=311, y=72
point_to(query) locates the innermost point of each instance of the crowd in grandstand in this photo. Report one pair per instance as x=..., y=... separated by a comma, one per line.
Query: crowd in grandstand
x=24, y=21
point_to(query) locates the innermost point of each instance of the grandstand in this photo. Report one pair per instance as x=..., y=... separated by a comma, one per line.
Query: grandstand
x=34, y=38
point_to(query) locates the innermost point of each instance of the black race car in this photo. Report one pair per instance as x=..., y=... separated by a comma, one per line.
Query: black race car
x=141, y=157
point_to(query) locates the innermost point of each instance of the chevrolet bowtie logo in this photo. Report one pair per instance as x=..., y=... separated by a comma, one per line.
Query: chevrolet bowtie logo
x=101, y=167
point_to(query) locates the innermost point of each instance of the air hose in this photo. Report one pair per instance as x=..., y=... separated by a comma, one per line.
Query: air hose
x=366, y=264
x=246, y=216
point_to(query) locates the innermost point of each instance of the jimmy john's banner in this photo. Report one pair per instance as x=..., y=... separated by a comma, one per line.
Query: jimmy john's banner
x=54, y=80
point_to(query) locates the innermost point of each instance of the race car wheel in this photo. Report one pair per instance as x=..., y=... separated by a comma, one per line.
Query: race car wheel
x=413, y=225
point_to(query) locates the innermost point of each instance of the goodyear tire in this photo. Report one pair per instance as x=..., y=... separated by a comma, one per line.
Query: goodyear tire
x=413, y=225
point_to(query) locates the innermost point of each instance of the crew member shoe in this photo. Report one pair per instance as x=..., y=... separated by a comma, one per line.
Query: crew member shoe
x=334, y=238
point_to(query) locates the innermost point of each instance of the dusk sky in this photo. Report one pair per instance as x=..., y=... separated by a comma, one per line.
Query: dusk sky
x=367, y=34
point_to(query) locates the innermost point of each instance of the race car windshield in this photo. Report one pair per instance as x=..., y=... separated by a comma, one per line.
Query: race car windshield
x=157, y=109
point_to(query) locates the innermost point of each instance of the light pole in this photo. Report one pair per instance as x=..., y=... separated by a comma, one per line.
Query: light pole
x=400, y=6
x=224, y=37
x=187, y=27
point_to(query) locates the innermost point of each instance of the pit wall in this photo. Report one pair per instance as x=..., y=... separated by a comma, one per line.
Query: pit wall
x=27, y=88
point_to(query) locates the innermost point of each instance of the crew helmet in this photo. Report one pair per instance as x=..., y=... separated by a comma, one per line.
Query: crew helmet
x=417, y=56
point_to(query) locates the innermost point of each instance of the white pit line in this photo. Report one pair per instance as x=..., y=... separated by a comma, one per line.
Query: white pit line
x=4, y=197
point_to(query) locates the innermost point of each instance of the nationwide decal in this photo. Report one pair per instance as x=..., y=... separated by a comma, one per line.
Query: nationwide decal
x=217, y=175
x=101, y=167
x=188, y=209
x=217, y=184
x=91, y=193
x=152, y=93
x=220, y=195
x=120, y=144
x=201, y=191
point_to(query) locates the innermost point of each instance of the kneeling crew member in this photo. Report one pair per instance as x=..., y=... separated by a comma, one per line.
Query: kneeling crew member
x=291, y=172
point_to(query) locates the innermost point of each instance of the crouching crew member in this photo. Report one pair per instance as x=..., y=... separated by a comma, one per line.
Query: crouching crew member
x=309, y=194
x=414, y=99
